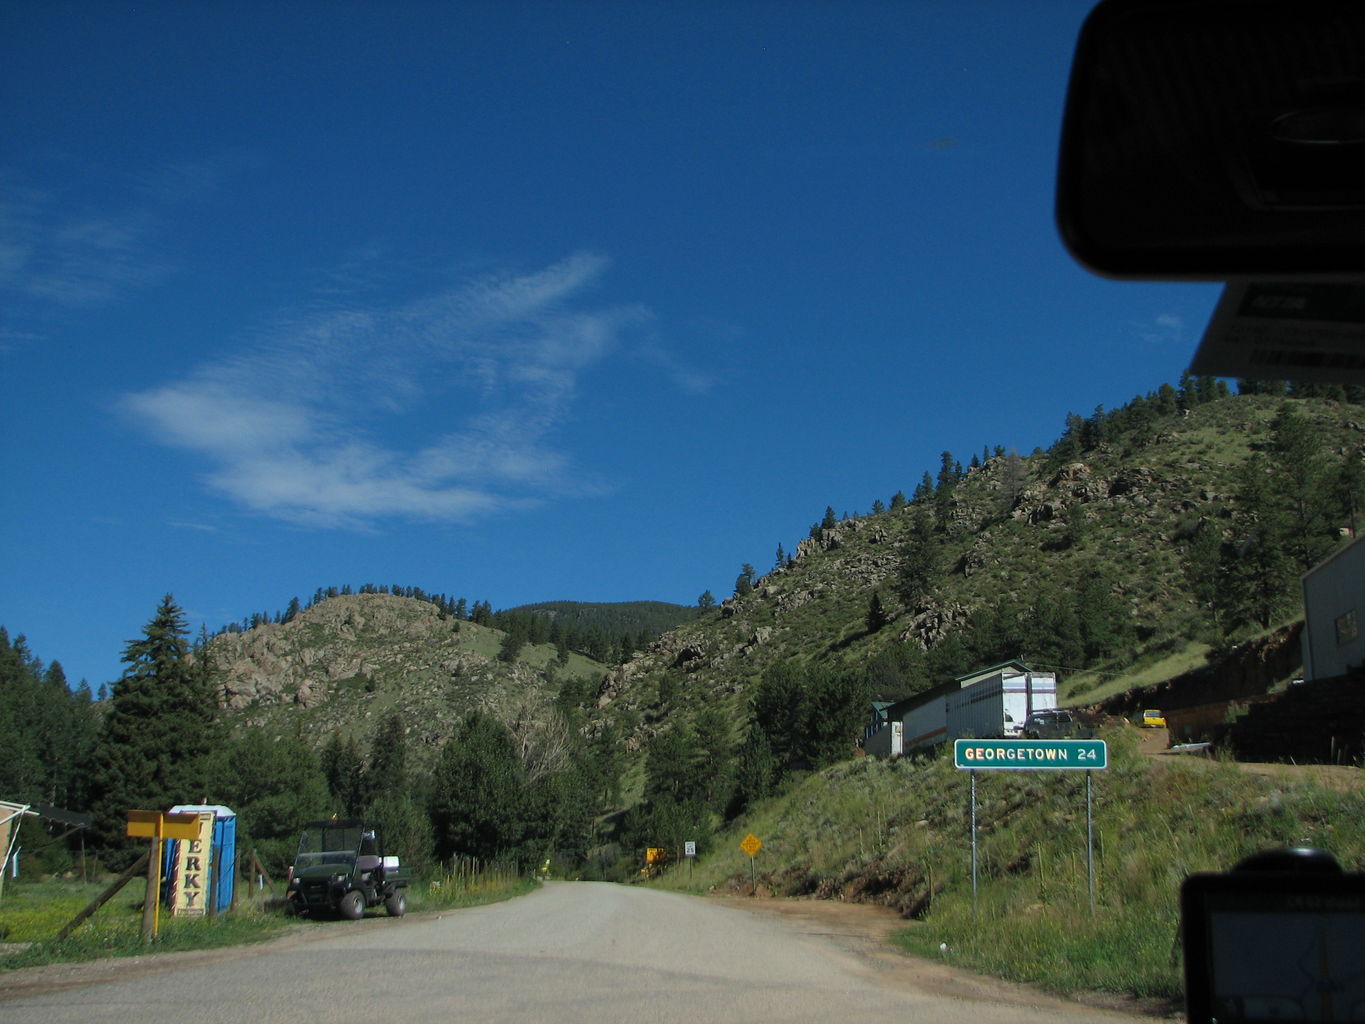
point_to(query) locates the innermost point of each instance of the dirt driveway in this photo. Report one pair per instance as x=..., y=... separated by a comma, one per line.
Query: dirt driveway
x=1340, y=777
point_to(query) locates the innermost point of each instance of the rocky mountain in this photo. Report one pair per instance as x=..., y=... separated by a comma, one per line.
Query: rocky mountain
x=1014, y=554
x=1017, y=539
x=346, y=662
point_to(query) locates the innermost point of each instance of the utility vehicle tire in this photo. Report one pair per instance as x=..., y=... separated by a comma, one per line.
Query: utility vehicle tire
x=352, y=905
x=397, y=904
x=291, y=908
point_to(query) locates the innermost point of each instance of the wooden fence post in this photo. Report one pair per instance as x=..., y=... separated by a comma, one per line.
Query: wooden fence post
x=103, y=897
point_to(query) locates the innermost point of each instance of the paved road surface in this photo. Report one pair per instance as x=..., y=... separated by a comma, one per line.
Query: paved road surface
x=569, y=952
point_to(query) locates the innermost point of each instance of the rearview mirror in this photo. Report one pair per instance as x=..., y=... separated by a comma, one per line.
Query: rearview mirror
x=1213, y=139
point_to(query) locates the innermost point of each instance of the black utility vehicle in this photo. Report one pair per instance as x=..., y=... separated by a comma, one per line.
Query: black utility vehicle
x=341, y=869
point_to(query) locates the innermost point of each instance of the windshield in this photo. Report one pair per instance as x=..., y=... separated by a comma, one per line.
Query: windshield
x=332, y=845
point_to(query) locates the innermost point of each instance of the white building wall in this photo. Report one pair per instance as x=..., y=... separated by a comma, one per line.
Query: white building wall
x=926, y=725
x=885, y=742
x=998, y=705
x=1334, y=613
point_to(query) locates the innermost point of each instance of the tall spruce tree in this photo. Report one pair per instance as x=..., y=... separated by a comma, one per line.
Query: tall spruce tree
x=388, y=768
x=153, y=748
x=876, y=613
x=919, y=561
x=756, y=769
x=478, y=795
x=1298, y=453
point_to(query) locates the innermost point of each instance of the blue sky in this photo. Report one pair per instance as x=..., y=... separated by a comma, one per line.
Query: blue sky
x=517, y=301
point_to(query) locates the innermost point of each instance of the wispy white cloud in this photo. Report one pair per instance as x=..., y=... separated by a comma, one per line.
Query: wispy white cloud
x=442, y=408
x=197, y=527
x=687, y=378
x=55, y=250
x=73, y=260
x=1162, y=329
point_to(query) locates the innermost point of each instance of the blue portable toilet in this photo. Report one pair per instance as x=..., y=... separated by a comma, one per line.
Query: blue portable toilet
x=222, y=868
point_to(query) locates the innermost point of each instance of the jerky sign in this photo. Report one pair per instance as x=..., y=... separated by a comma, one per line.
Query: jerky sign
x=191, y=870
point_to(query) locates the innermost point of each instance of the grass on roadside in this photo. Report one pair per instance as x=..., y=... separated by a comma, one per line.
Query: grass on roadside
x=469, y=884
x=115, y=930
x=898, y=832
x=34, y=912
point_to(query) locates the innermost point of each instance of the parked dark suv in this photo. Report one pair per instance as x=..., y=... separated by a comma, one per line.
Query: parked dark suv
x=1054, y=725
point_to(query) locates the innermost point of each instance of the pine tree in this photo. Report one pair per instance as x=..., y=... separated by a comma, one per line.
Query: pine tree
x=715, y=757
x=478, y=795
x=1205, y=568
x=876, y=613
x=512, y=642
x=919, y=569
x=1261, y=579
x=387, y=771
x=744, y=582
x=755, y=770
x=781, y=710
x=153, y=747
x=1298, y=457
x=925, y=490
x=343, y=768
x=836, y=707
x=1013, y=478
x=21, y=719
x=1067, y=448
x=1348, y=489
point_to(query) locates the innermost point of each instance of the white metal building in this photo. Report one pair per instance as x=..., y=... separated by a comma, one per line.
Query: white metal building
x=1334, y=613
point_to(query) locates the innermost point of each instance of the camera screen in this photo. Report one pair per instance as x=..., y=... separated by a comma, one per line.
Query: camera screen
x=1275, y=947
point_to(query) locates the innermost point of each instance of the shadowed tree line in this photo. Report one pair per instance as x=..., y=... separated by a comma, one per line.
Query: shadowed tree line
x=609, y=633
x=518, y=792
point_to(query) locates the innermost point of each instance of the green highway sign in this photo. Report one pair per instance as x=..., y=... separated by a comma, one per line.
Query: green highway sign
x=1031, y=755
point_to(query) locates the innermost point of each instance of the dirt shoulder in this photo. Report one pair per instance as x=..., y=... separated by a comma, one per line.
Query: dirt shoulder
x=32, y=981
x=865, y=931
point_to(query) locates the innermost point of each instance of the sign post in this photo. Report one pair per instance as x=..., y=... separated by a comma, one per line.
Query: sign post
x=1036, y=755
x=751, y=844
x=156, y=826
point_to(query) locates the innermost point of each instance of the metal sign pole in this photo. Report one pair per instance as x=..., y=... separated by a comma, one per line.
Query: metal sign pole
x=1090, y=839
x=1035, y=755
x=973, y=777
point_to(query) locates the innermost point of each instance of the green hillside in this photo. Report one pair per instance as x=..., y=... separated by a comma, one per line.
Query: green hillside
x=1137, y=546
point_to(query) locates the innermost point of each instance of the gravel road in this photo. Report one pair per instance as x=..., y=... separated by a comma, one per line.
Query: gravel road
x=568, y=952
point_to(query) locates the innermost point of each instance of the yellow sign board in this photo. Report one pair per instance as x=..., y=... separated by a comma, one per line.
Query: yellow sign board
x=751, y=844
x=191, y=874
x=155, y=825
